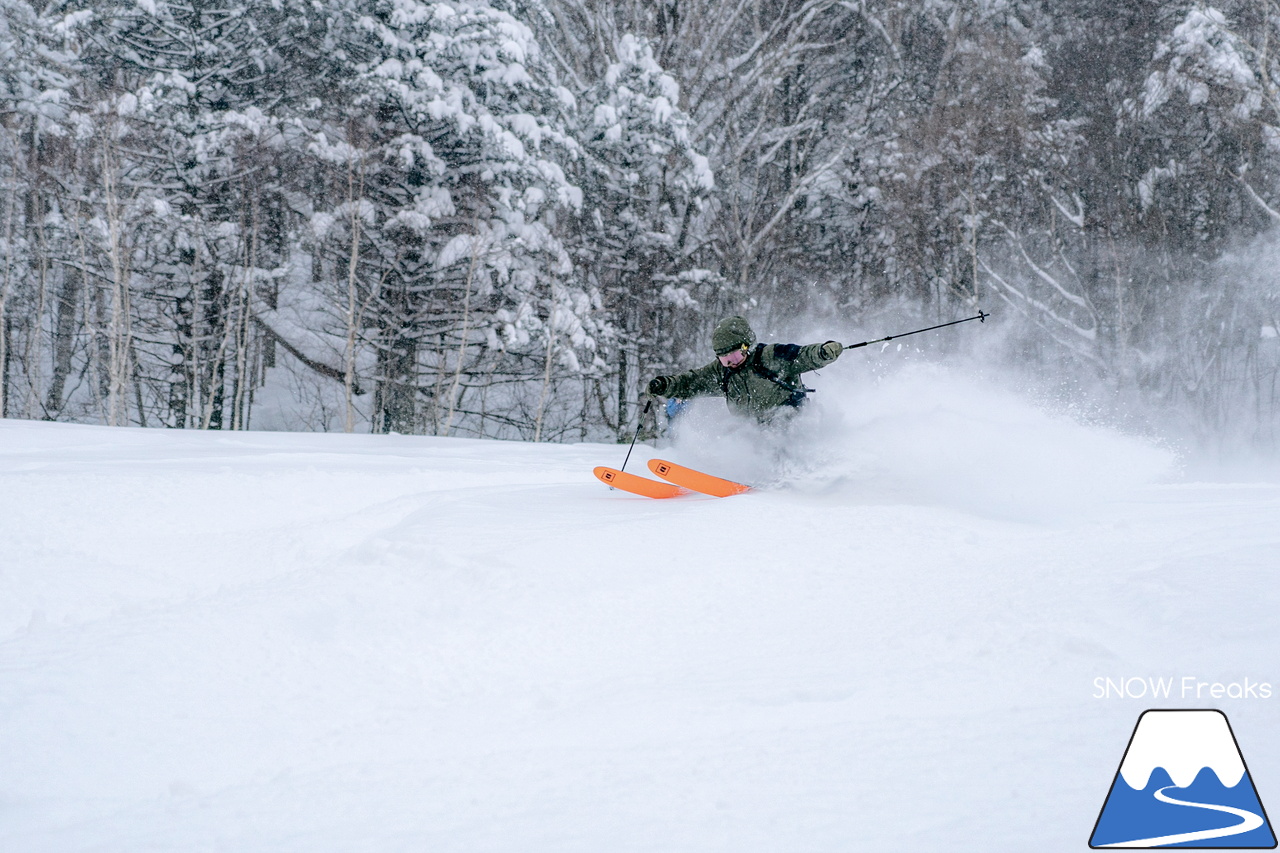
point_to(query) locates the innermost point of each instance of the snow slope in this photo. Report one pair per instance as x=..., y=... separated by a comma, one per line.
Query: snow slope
x=281, y=642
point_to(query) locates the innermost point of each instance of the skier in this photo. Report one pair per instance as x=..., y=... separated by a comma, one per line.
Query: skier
x=760, y=380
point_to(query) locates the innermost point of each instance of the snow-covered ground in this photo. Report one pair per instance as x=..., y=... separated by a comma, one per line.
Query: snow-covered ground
x=283, y=642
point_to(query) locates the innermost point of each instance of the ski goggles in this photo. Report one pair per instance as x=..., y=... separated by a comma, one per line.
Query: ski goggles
x=734, y=358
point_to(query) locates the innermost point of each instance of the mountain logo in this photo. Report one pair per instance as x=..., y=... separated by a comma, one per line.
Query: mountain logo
x=1183, y=783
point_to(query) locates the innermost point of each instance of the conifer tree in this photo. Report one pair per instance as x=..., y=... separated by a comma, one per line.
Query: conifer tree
x=642, y=228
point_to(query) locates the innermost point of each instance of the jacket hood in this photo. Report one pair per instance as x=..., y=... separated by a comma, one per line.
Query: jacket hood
x=730, y=334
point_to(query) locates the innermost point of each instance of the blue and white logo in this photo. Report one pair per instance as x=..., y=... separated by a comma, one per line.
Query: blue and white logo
x=1183, y=783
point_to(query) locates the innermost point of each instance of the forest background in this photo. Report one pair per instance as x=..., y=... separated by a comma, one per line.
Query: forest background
x=501, y=218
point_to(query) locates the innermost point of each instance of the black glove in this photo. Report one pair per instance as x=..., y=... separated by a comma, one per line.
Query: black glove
x=659, y=385
x=831, y=350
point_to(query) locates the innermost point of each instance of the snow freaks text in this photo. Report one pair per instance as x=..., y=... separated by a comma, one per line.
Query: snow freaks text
x=1185, y=687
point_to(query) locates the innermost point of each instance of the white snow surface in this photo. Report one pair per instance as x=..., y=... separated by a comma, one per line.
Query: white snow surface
x=287, y=642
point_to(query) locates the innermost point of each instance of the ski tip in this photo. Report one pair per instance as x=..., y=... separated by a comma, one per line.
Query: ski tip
x=643, y=486
x=696, y=480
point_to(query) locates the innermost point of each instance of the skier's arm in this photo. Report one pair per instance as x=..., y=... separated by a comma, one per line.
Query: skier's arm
x=794, y=359
x=698, y=382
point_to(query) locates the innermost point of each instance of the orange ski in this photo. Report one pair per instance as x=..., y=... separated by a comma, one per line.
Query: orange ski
x=696, y=480
x=639, y=485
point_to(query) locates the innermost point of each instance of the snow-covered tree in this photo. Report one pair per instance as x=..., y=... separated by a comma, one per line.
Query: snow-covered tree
x=642, y=227
x=172, y=203
x=449, y=183
x=1209, y=119
x=987, y=200
x=759, y=81
x=35, y=78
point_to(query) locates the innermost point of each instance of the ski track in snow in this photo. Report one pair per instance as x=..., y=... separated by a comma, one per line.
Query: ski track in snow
x=275, y=642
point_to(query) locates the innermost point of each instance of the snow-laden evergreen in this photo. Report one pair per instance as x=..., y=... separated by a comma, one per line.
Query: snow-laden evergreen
x=441, y=213
x=642, y=225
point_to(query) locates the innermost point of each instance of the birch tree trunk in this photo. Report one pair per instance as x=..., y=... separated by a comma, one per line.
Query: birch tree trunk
x=546, y=376
x=120, y=335
x=33, y=357
x=4, y=300
x=353, y=316
x=466, y=331
x=244, y=380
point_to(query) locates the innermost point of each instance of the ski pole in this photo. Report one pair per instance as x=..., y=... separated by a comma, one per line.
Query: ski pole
x=981, y=317
x=648, y=404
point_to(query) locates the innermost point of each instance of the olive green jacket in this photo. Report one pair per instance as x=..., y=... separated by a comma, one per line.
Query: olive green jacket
x=768, y=380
